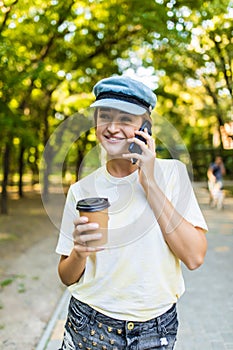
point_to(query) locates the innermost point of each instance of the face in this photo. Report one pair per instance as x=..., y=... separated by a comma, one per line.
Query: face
x=114, y=127
x=218, y=160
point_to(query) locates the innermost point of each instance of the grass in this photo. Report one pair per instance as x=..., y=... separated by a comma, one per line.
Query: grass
x=7, y=236
x=228, y=190
x=6, y=282
x=9, y=280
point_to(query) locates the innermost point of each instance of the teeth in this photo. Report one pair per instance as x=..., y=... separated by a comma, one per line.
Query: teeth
x=114, y=139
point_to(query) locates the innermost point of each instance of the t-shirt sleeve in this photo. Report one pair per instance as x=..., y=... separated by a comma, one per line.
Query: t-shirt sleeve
x=65, y=240
x=183, y=197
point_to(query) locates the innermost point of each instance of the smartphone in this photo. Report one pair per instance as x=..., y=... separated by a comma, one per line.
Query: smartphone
x=135, y=148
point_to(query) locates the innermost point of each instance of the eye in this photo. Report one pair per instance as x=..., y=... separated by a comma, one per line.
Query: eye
x=126, y=119
x=104, y=117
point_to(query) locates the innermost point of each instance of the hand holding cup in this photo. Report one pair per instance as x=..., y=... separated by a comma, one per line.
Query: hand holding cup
x=94, y=229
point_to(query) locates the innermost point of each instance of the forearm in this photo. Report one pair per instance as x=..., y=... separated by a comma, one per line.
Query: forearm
x=186, y=242
x=210, y=175
x=223, y=170
x=71, y=268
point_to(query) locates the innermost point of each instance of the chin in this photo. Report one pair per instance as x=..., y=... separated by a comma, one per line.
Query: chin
x=114, y=155
x=113, y=152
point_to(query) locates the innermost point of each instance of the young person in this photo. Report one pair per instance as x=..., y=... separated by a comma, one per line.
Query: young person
x=124, y=294
x=215, y=174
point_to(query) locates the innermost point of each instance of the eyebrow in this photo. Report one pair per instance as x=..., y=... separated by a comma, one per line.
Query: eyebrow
x=102, y=109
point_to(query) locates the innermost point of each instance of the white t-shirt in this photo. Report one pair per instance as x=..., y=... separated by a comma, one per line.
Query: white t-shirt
x=136, y=277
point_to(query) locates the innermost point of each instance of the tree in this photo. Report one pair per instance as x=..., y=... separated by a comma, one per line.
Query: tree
x=52, y=53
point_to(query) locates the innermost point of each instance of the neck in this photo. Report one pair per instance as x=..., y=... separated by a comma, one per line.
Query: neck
x=120, y=167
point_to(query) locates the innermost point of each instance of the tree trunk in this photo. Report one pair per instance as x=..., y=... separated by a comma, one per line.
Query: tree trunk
x=21, y=167
x=6, y=163
x=48, y=159
x=35, y=169
x=45, y=191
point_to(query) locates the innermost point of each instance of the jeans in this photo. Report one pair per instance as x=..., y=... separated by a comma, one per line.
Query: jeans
x=88, y=329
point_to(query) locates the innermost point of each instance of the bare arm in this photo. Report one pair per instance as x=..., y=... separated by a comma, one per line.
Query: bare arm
x=187, y=242
x=223, y=169
x=71, y=268
x=210, y=175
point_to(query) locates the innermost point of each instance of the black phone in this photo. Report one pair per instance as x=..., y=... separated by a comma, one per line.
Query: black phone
x=134, y=147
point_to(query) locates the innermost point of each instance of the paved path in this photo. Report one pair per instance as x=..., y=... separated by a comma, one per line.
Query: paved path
x=206, y=309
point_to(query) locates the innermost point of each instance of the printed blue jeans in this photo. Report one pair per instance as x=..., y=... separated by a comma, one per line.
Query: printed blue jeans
x=88, y=329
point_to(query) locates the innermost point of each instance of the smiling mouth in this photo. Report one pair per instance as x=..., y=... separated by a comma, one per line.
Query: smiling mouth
x=114, y=139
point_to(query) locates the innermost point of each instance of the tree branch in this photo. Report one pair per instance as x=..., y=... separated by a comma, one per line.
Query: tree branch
x=223, y=64
x=7, y=12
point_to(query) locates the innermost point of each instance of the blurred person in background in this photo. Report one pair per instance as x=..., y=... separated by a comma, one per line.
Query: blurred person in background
x=215, y=174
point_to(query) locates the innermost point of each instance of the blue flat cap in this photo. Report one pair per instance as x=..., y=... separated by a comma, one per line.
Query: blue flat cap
x=125, y=94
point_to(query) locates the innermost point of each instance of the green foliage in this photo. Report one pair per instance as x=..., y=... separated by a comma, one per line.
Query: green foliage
x=53, y=52
x=6, y=282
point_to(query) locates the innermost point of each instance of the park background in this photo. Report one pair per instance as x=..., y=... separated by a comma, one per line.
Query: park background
x=51, y=55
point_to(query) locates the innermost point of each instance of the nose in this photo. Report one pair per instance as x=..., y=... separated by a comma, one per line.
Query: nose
x=113, y=127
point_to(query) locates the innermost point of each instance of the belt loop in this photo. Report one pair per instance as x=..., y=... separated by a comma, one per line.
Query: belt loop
x=92, y=318
x=158, y=322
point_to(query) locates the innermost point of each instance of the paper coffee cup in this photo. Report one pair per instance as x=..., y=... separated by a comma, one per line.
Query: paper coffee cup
x=96, y=210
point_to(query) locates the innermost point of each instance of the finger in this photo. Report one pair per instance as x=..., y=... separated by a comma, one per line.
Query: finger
x=149, y=139
x=132, y=156
x=80, y=220
x=85, y=238
x=86, y=227
x=151, y=144
x=139, y=142
x=87, y=249
x=144, y=134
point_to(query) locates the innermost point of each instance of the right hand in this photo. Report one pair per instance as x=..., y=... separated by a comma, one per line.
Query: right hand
x=81, y=238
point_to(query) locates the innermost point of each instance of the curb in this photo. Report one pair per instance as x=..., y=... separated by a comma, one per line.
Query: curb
x=42, y=345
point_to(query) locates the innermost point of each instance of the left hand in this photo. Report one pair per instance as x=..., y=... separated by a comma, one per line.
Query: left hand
x=146, y=160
